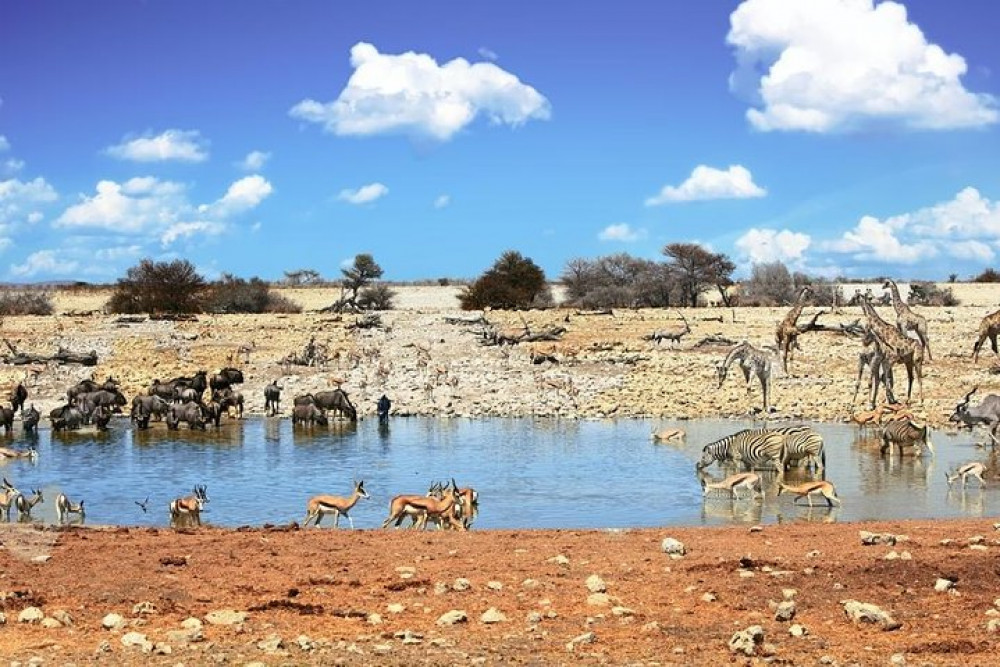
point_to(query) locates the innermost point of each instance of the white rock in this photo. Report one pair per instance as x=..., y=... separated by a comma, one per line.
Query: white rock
x=137, y=640
x=452, y=617
x=461, y=584
x=559, y=560
x=599, y=599
x=797, y=630
x=112, y=622
x=63, y=617
x=492, y=615
x=374, y=619
x=943, y=585
x=585, y=638
x=226, y=617
x=30, y=615
x=595, y=584
x=191, y=623
x=494, y=586
x=395, y=608
x=673, y=547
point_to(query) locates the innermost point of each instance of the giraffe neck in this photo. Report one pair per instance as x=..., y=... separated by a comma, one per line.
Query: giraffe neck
x=897, y=301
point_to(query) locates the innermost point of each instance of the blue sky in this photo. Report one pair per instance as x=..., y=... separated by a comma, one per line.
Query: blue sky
x=839, y=136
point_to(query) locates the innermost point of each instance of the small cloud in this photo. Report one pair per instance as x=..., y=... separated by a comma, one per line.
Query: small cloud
x=179, y=145
x=442, y=201
x=118, y=252
x=488, y=54
x=44, y=261
x=411, y=94
x=971, y=250
x=20, y=198
x=622, y=233
x=4, y=144
x=243, y=195
x=706, y=183
x=363, y=195
x=12, y=166
x=182, y=230
x=256, y=227
x=763, y=246
x=254, y=161
x=35, y=217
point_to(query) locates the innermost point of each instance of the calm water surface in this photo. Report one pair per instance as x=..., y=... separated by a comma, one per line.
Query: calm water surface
x=530, y=473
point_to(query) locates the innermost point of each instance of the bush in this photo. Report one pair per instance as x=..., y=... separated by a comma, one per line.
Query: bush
x=769, y=285
x=159, y=287
x=619, y=281
x=17, y=302
x=512, y=282
x=236, y=295
x=988, y=276
x=376, y=297
x=929, y=294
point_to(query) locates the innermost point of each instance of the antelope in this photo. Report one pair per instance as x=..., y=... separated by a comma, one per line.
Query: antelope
x=189, y=506
x=8, y=453
x=823, y=487
x=24, y=505
x=972, y=469
x=426, y=507
x=320, y=505
x=668, y=434
x=7, y=498
x=468, y=508
x=64, y=508
x=405, y=510
x=732, y=484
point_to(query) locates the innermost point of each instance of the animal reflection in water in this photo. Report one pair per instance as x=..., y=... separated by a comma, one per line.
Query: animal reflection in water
x=738, y=497
x=878, y=473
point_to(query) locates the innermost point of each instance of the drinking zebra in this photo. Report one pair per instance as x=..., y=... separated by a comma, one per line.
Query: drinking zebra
x=905, y=433
x=803, y=443
x=755, y=449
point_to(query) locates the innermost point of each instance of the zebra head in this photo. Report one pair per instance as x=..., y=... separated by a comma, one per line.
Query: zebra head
x=720, y=371
x=707, y=458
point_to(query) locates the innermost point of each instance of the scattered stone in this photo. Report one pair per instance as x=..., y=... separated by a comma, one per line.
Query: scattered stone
x=305, y=643
x=141, y=608
x=785, y=611
x=869, y=539
x=897, y=659
x=30, y=615
x=63, y=617
x=993, y=625
x=103, y=647
x=161, y=648
x=673, y=548
x=863, y=612
x=382, y=648
x=408, y=637
x=595, y=584
x=708, y=597
x=585, y=638
x=492, y=615
x=559, y=560
x=747, y=641
x=374, y=619
x=756, y=529
x=976, y=539
x=979, y=547
x=137, y=640
x=905, y=555
x=530, y=584
x=599, y=599
x=3, y=618
x=191, y=623
x=622, y=611
x=534, y=618
x=943, y=585
x=494, y=586
x=440, y=588
x=452, y=617
x=50, y=623
x=185, y=636
x=815, y=553
x=271, y=644
x=946, y=542
x=789, y=593
x=892, y=555
x=746, y=574
x=797, y=630
x=461, y=584
x=406, y=571
x=225, y=617
x=395, y=608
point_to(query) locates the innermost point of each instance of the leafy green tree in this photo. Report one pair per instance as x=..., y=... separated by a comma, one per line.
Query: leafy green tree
x=514, y=281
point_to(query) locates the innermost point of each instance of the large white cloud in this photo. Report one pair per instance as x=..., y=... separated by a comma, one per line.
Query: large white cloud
x=968, y=216
x=876, y=240
x=828, y=65
x=19, y=199
x=762, y=246
x=364, y=195
x=179, y=145
x=410, y=93
x=705, y=183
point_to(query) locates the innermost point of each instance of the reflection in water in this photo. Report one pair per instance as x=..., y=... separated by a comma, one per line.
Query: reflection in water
x=529, y=472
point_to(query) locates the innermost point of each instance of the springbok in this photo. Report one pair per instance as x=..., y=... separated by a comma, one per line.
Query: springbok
x=190, y=506
x=733, y=483
x=24, y=504
x=468, y=508
x=668, y=434
x=972, y=469
x=823, y=487
x=64, y=508
x=425, y=507
x=8, y=453
x=7, y=497
x=319, y=506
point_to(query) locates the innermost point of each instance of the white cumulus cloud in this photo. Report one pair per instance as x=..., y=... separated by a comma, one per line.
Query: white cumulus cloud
x=179, y=145
x=621, y=232
x=254, y=161
x=363, y=195
x=410, y=93
x=762, y=246
x=47, y=262
x=243, y=195
x=706, y=183
x=19, y=199
x=4, y=144
x=876, y=240
x=969, y=215
x=835, y=65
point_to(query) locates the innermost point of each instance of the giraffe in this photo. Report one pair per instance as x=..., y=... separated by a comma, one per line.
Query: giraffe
x=897, y=348
x=906, y=319
x=787, y=333
x=988, y=328
x=873, y=357
x=751, y=360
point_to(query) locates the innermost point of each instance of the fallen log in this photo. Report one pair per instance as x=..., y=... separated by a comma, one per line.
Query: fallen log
x=715, y=340
x=62, y=356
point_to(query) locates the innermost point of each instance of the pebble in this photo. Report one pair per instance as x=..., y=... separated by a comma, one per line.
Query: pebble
x=673, y=547
x=112, y=622
x=494, y=586
x=461, y=584
x=797, y=630
x=452, y=617
x=395, y=608
x=559, y=560
x=595, y=584
x=585, y=638
x=492, y=615
x=225, y=617
x=30, y=615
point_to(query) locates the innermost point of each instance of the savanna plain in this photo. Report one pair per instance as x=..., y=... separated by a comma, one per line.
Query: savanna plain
x=279, y=595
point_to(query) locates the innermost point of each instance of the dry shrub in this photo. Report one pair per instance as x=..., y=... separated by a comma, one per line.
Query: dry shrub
x=22, y=302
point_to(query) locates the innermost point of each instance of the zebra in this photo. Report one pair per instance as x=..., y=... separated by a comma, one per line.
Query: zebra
x=802, y=442
x=755, y=449
x=905, y=433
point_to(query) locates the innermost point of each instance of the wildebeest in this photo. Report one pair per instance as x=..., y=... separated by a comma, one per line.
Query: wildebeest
x=198, y=382
x=18, y=396
x=308, y=413
x=144, y=407
x=224, y=378
x=87, y=386
x=113, y=400
x=213, y=412
x=227, y=398
x=67, y=417
x=186, y=412
x=30, y=419
x=272, y=398
x=164, y=390
x=6, y=418
x=384, y=405
x=101, y=417
x=336, y=400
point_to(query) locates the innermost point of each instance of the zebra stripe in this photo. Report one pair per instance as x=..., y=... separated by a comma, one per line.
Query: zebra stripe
x=904, y=433
x=754, y=449
x=802, y=442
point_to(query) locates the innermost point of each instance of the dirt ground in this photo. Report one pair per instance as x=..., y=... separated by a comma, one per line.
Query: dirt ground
x=323, y=596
